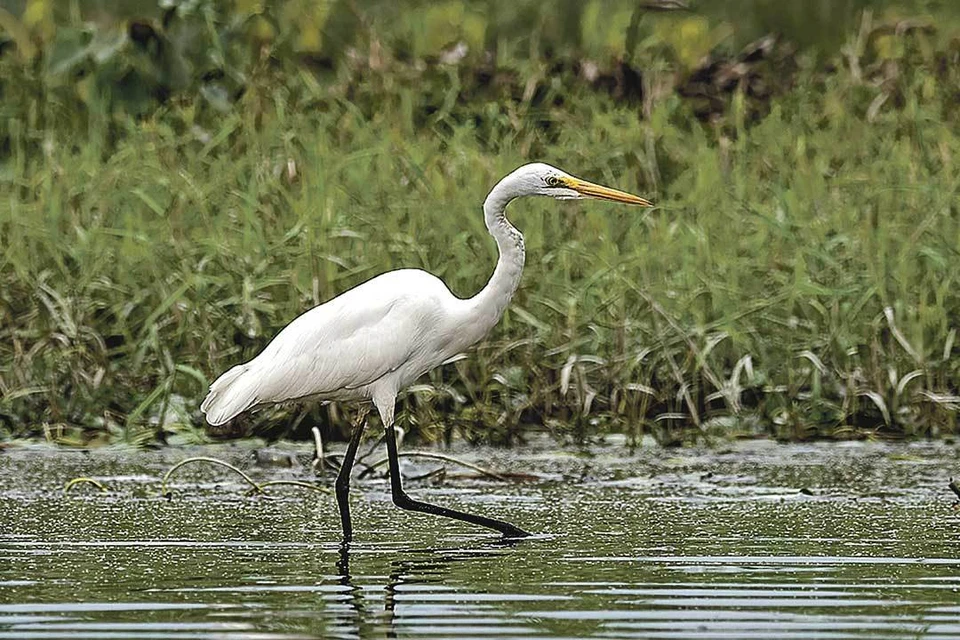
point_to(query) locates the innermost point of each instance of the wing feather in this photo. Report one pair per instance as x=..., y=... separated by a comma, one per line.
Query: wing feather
x=347, y=343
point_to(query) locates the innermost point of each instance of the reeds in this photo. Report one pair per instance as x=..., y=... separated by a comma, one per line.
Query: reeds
x=798, y=279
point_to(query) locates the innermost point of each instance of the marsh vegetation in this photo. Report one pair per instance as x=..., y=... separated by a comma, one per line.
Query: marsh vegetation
x=179, y=180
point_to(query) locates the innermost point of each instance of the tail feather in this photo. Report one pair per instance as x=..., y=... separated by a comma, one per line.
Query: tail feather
x=230, y=395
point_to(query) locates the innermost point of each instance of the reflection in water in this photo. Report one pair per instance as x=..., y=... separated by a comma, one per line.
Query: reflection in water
x=351, y=620
x=641, y=551
x=413, y=570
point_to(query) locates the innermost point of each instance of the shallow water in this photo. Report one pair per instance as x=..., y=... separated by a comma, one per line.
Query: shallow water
x=759, y=540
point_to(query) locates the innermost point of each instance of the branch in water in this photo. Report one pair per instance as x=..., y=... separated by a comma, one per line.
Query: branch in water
x=70, y=485
x=255, y=487
x=440, y=456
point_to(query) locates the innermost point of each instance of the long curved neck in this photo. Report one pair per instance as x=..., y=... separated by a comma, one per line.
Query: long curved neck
x=488, y=306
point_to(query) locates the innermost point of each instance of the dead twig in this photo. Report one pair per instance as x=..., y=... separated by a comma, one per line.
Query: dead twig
x=318, y=461
x=84, y=480
x=439, y=456
x=294, y=483
x=255, y=487
x=166, y=476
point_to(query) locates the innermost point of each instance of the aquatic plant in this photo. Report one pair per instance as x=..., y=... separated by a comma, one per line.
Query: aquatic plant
x=164, y=213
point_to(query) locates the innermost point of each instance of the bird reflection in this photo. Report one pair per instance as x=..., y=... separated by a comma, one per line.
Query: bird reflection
x=350, y=618
x=423, y=566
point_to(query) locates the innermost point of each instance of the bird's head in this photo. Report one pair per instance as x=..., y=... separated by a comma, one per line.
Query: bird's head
x=539, y=179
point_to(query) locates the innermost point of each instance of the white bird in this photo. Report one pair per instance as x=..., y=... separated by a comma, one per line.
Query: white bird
x=371, y=342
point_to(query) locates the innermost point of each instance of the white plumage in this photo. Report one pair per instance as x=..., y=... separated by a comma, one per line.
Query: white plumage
x=387, y=331
x=372, y=341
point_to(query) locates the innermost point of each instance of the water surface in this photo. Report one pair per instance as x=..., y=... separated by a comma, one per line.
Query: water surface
x=758, y=540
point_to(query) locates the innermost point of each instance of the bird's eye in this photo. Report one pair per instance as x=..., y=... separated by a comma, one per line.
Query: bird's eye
x=553, y=181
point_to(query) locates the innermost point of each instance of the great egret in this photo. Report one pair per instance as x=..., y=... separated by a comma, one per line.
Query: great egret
x=372, y=341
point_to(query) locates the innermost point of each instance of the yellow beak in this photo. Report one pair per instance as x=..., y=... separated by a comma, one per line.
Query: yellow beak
x=591, y=190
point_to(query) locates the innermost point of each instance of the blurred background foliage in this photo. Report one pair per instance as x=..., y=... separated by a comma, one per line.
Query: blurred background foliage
x=178, y=179
x=100, y=59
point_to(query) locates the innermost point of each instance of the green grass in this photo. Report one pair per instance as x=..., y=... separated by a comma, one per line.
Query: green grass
x=798, y=279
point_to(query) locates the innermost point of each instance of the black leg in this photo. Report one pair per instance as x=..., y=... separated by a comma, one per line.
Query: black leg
x=342, y=484
x=404, y=501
